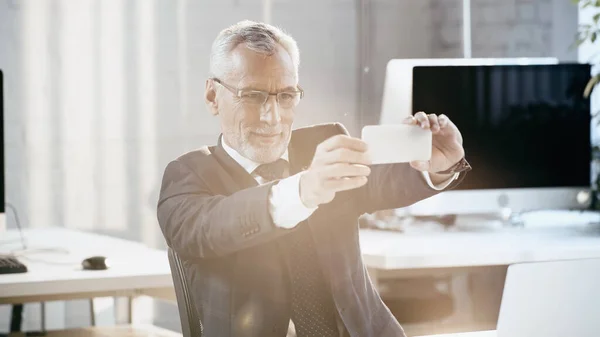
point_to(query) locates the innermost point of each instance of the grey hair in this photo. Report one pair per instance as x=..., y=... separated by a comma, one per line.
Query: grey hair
x=258, y=37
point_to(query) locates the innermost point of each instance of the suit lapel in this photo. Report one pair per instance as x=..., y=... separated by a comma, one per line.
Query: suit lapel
x=242, y=178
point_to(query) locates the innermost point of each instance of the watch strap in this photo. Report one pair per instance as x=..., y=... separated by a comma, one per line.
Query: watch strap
x=462, y=166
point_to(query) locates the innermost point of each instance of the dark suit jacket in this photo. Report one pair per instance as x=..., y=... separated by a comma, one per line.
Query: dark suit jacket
x=216, y=217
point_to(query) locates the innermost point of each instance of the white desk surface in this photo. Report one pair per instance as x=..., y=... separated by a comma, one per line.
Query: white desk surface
x=133, y=265
x=468, y=334
x=137, y=267
x=387, y=250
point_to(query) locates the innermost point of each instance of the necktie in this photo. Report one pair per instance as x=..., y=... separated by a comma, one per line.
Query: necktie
x=313, y=310
x=272, y=171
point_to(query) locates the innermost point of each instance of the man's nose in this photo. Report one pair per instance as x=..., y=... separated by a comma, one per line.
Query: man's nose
x=271, y=112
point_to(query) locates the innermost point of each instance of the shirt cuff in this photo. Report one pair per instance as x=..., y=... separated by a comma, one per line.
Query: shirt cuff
x=286, y=208
x=440, y=186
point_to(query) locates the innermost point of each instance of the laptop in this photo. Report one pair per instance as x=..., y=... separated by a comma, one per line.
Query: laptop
x=548, y=299
x=551, y=299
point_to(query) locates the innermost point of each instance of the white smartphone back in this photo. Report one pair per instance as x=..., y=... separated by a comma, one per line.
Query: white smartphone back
x=397, y=143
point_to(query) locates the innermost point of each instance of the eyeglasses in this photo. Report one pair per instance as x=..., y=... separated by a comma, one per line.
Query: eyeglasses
x=285, y=99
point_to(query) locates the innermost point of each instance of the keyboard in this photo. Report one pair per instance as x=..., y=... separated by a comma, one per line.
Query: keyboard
x=10, y=265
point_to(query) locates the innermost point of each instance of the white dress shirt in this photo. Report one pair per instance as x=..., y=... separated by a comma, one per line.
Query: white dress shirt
x=286, y=208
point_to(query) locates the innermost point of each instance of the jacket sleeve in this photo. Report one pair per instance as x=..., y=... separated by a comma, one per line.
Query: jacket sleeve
x=395, y=186
x=198, y=224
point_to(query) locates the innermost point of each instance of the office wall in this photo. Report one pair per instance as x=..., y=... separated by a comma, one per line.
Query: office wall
x=101, y=94
x=433, y=29
x=508, y=28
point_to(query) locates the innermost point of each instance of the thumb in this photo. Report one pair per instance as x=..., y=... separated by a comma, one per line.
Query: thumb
x=420, y=165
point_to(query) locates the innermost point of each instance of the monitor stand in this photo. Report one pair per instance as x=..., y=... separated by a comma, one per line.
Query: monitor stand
x=502, y=219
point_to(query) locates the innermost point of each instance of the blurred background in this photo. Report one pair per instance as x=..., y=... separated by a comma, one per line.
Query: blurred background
x=101, y=94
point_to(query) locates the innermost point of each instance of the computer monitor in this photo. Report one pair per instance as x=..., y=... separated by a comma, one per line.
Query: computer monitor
x=397, y=90
x=526, y=130
x=2, y=215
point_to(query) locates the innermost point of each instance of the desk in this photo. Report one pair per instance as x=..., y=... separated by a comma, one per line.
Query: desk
x=57, y=275
x=468, y=334
x=139, y=270
x=390, y=254
x=393, y=255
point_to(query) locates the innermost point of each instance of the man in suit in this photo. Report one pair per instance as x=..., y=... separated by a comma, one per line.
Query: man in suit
x=266, y=220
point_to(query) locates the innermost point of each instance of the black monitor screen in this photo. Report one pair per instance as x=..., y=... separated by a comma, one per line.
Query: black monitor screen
x=524, y=126
x=1, y=143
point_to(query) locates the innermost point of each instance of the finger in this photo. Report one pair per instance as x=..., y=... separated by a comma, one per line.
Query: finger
x=342, y=141
x=434, y=123
x=420, y=165
x=345, y=184
x=345, y=170
x=345, y=155
x=443, y=120
x=422, y=119
x=410, y=120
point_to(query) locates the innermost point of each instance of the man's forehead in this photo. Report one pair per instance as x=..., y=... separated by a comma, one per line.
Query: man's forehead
x=250, y=67
x=262, y=82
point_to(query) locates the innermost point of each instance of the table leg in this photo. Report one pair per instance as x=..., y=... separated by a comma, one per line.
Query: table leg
x=124, y=310
x=130, y=310
x=16, y=318
x=92, y=313
x=43, y=316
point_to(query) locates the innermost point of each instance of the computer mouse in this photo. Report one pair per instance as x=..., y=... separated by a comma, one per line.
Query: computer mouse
x=95, y=263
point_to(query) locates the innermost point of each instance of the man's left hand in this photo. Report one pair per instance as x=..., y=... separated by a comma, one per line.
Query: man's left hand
x=446, y=141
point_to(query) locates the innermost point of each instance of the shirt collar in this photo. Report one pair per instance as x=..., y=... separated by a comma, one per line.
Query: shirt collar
x=247, y=164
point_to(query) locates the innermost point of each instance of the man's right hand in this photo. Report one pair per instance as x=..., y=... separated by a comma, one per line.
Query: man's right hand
x=340, y=164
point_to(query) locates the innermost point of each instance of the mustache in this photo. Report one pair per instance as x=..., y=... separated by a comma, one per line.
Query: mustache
x=266, y=130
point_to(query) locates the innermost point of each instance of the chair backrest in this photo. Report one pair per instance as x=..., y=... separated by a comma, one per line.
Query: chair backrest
x=191, y=326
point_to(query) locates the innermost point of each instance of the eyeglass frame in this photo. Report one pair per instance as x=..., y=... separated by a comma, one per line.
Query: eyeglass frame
x=238, y=92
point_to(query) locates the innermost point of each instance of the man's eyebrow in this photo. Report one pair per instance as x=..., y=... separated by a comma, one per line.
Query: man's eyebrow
x=252, y=87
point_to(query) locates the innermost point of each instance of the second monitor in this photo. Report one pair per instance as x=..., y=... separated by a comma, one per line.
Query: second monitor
x=526, y=131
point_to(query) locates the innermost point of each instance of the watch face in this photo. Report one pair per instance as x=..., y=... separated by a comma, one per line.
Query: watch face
x=463, y=165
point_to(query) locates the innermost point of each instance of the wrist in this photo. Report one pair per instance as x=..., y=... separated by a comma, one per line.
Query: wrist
x=305, y=196
x=438, y=178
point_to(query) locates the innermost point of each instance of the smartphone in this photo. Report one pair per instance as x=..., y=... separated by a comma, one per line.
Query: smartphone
x=397, y=143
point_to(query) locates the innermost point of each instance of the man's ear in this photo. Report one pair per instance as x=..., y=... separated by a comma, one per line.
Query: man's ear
x=210, y=97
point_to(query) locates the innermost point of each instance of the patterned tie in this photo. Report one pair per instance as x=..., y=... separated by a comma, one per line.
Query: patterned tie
x=313, y=310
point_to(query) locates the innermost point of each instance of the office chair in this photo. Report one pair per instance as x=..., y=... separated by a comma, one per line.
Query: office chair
x=427, y=305
x=191, y=326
